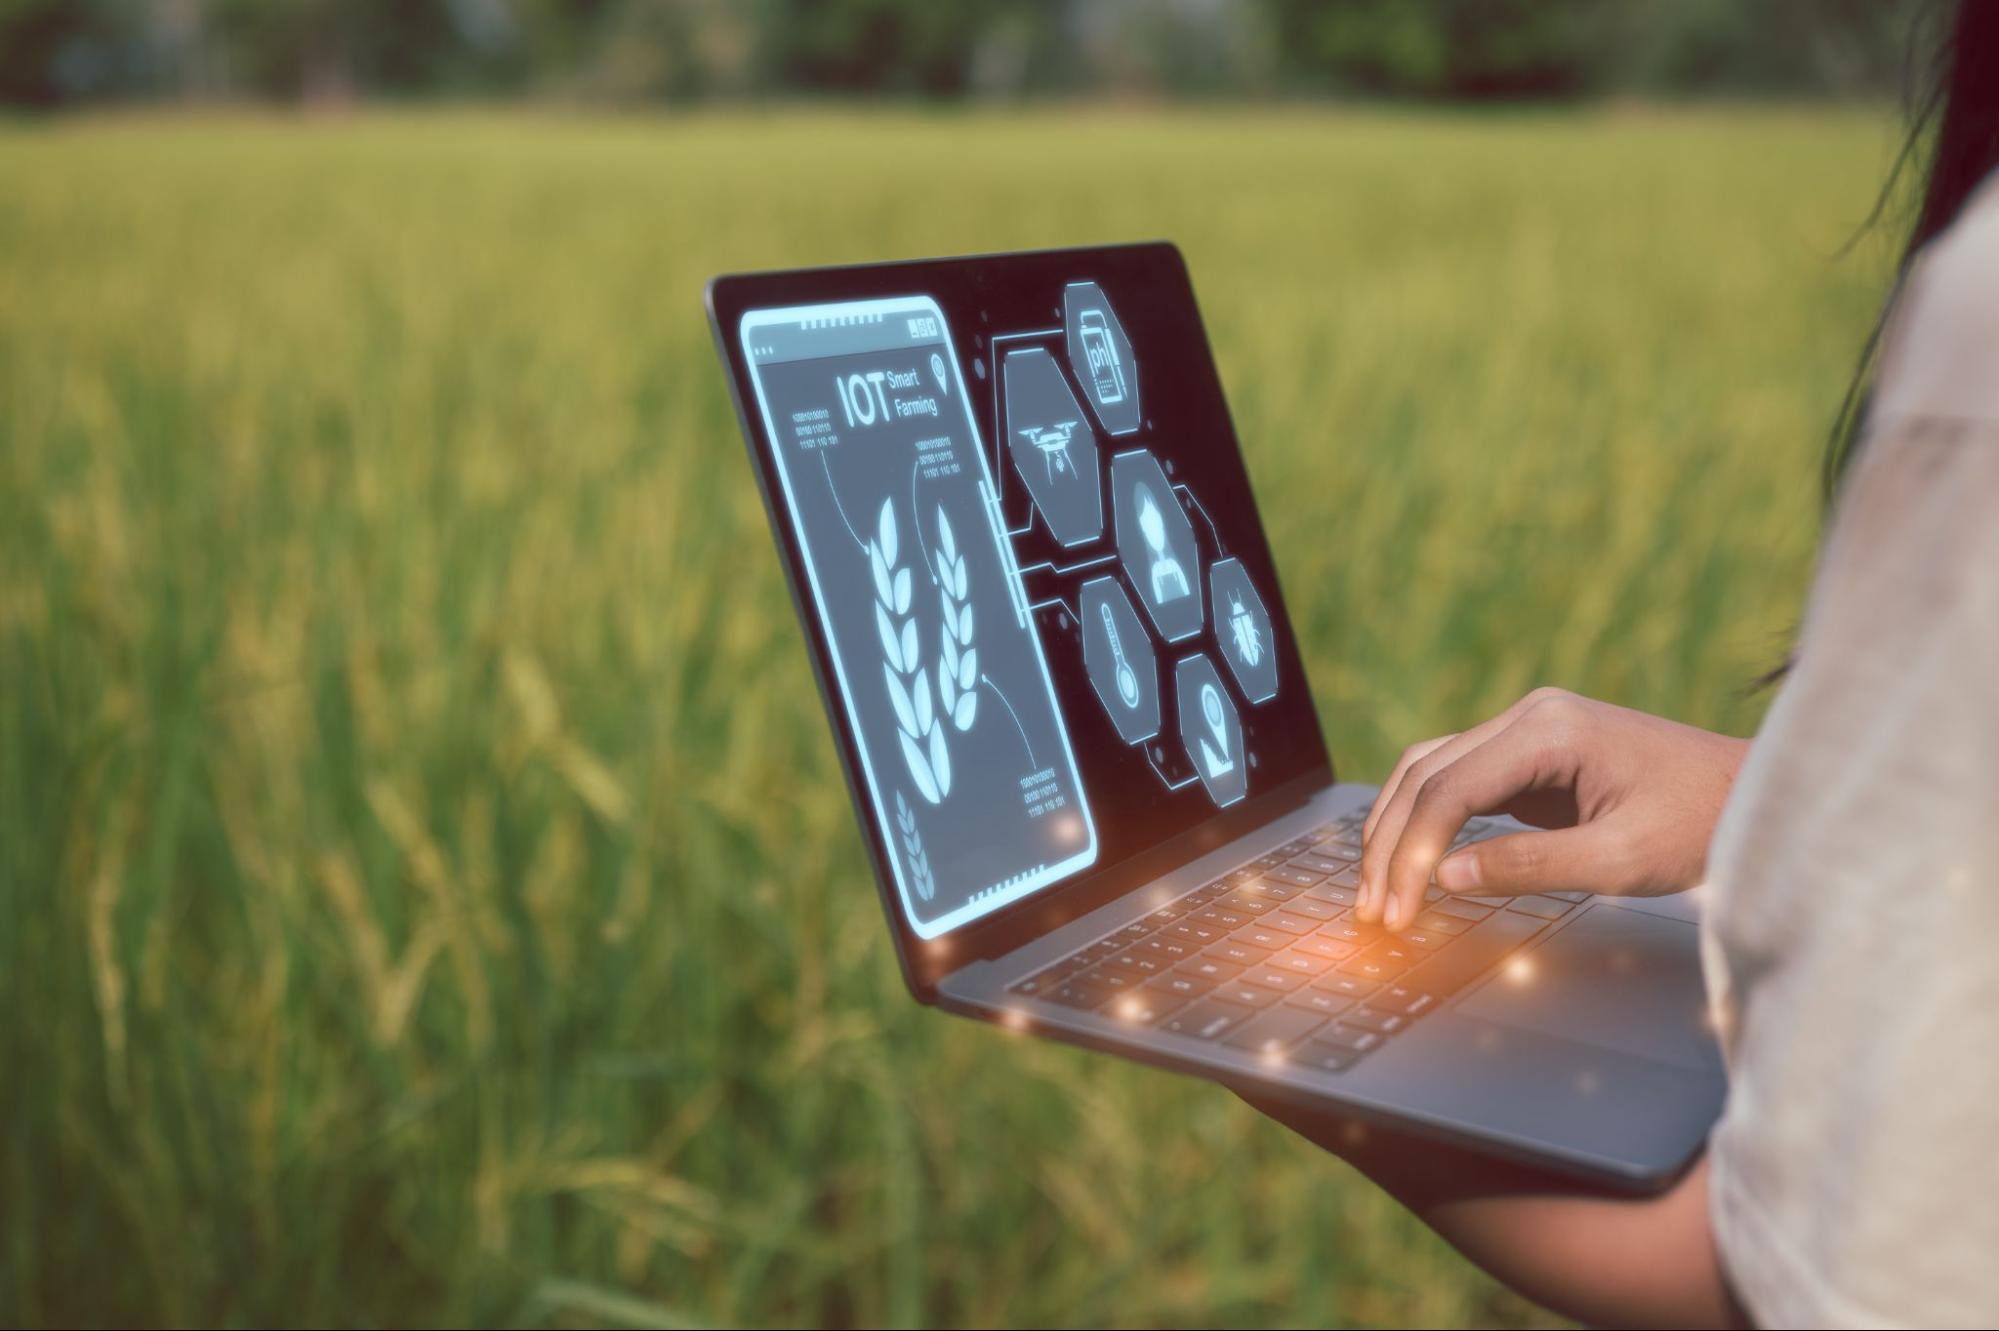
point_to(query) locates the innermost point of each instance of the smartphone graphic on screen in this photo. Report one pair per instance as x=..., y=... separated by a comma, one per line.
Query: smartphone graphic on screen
x=1105, y=372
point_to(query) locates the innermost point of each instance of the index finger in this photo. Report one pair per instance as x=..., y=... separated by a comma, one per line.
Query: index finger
x=1412, y=755
x=1391, y=808
x=1482, y=780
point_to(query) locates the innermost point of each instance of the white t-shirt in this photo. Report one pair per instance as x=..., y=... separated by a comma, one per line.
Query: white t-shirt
x=1852, y=932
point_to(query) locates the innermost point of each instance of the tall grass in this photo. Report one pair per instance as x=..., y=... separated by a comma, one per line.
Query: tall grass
x=427, y=891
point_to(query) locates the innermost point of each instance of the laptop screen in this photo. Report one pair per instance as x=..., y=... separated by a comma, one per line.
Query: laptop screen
x=1026, y=544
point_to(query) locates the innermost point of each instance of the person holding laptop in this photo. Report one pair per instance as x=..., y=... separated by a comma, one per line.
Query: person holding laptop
x=1850, y=856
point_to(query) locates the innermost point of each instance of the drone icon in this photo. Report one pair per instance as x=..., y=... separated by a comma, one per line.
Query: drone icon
x=1053, y=442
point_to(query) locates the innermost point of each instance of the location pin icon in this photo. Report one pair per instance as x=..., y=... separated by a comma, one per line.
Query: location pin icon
x=1211, y=708
x=937, y=369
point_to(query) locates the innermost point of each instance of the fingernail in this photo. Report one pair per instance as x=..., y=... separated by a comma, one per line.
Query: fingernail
x=1393, y=917
x=1458, y=873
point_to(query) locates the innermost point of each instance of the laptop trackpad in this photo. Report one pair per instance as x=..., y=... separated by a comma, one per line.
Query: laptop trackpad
x=1615, y=978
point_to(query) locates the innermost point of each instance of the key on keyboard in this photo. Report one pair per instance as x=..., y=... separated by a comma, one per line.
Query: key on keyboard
x=1181, y=983
x=1205, y=1020
x=1326, y=1005
x=1210, y=968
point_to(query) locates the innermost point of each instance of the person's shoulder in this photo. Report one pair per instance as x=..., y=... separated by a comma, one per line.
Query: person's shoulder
x=1961, y=276
x=1940, y=354
x=1969, y=246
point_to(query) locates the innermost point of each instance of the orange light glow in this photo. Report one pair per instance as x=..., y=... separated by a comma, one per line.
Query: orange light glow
x=1520, y=970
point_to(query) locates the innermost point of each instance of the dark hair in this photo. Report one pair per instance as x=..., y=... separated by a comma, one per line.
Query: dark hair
x=1954, y=132
x=1954, y=135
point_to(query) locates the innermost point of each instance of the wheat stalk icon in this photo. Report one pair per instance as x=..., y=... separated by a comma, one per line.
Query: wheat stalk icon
x=958, y=668
x=923, y=746
x=920, y=877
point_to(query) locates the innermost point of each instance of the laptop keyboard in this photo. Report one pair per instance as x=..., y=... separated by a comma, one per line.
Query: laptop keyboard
x=1270, y=958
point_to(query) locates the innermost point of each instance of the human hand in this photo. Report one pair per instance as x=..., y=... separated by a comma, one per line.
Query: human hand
x=1627, y=801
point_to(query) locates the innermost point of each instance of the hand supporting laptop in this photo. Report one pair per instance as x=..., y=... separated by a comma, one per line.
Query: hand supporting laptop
x=1627, y=801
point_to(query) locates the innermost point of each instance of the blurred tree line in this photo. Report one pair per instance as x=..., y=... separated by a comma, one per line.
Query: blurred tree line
x=62, y=52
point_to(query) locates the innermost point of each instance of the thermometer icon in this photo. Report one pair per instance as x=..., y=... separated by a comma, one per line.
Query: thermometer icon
x=1127, y=678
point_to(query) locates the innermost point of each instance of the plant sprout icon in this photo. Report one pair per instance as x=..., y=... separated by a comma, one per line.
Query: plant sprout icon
x=1248, y=642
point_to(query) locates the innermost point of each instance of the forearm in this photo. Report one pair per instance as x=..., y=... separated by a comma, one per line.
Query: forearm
x=1602, y=1258
x=1604, y=1261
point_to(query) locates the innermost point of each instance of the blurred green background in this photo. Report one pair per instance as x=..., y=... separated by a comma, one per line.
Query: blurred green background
x=427, y=892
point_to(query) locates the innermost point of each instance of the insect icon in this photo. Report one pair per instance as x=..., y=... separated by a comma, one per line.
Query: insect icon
x=1248, y=641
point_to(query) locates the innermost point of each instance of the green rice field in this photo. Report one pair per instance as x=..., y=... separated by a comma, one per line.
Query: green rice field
x=427, y=891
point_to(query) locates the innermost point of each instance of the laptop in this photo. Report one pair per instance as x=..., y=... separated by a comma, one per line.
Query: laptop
x=1083, y=749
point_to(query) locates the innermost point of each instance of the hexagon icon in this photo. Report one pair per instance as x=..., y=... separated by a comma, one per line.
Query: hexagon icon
x=1156, y=542
x=1100, y=354
x=1242, y=626
x=1053, y=447
x=1210, y=730
x=1117, y=651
